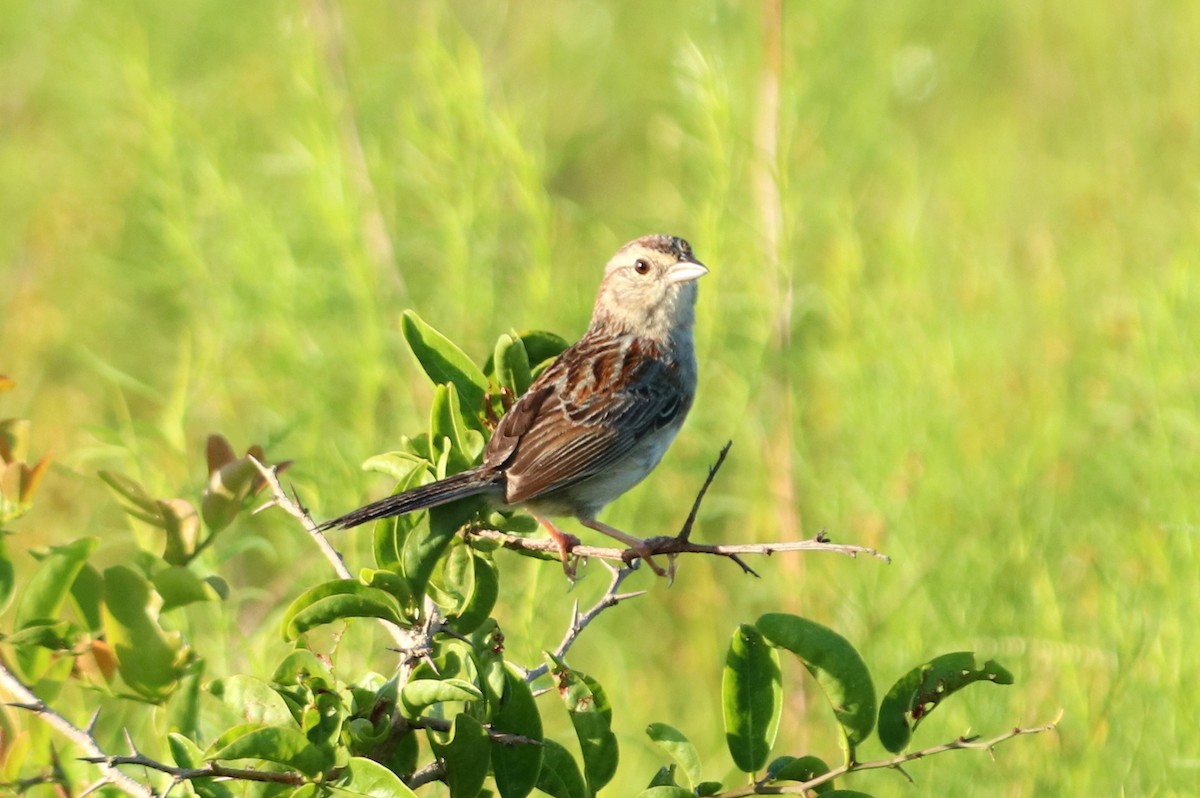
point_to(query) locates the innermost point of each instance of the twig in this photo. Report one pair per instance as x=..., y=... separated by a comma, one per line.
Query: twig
x=611, y=598
x=292, y=506
x=28, y=701
x=434, y=771
x=443, y=725
x=895, y=763
x=211, y=770
x=686, y=533
x=673, y=545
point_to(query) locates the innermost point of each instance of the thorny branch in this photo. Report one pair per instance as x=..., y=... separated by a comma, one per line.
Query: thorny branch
x=292, y=506
x=682, y=542
x=81, y=737
x=960, y=744
x=611, y=598
x=211, y=770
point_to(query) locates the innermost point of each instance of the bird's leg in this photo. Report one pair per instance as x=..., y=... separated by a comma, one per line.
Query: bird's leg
x=637, y=544
x=565, y=543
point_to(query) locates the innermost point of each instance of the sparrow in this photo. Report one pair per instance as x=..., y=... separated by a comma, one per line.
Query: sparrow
x=600, y=417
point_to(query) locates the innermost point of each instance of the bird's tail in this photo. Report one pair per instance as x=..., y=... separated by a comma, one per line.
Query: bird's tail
x=457, y=486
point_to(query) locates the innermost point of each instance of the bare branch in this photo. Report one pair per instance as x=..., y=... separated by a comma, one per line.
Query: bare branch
x=895, y=763
x=443, y=725
x=686, y=533
x=434, y=771
x=611, y=598
x=212, y=770
x=28, y=701
x=673, y=545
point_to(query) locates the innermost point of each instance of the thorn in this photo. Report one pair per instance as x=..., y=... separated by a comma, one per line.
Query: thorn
x=268, y=504
x=904, y=773
x=449, y=632
x=296, y=499
x=619, y=597
x=39, y=707
x=91, y=727
x=133, y=750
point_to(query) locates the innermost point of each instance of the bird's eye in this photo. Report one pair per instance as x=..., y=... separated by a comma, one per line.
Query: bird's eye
x=641, y=266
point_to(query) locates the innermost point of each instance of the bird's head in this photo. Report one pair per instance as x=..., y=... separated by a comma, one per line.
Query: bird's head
x=649, y=288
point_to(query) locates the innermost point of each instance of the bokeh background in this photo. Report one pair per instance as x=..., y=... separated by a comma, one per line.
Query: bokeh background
x=954, y=313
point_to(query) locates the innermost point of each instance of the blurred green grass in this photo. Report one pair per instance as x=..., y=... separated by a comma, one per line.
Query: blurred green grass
x=971, y=341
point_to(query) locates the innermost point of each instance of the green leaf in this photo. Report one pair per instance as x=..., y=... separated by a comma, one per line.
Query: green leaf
x=321, y=720
x=483, y=597
x=542, y=345
x=252, y=699
x=150, y=660
x=751, y=695
x=591, y=715
x=364, y=777
x=678, y=747
x=87, y=594
x=142, y=503
x=453, y=583
x=304, y=667
x=838, y=668
x=281, y=744
x=184, y=713
x=338, y=600
x=179, y=587
x=426, y=543
x=446, y=363
x=42, y=599
x=919, y=692
x=705, y=788
x=801, y=769
x=847, y=794
x=397, y=465
x=487, y=642
x=400, y=754
x=7, y=576
x=512, y=364
x=560, y=776
x=182, y=527
x=392, y=533
x=447, y=422
x=52, y=635
x=421, y=693
x=467, y=754
x=516, y=767
x=666, y=792
x=392, y=583
x=665, y=777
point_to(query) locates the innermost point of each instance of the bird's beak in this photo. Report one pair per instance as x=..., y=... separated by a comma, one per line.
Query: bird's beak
x=686, y=271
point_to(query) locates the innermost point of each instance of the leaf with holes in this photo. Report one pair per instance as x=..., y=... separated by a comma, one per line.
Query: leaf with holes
x=919, y=692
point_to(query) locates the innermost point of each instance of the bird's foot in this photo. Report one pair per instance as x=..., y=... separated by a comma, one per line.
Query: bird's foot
x=566, y=544
x=637, y=548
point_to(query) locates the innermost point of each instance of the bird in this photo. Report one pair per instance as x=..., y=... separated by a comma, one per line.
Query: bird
x=599, y=418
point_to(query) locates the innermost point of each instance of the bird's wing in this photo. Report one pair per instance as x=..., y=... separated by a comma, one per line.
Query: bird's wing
x=587, y=411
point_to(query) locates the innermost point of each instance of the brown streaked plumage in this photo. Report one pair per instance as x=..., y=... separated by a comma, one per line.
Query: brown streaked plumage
x=602, y=415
